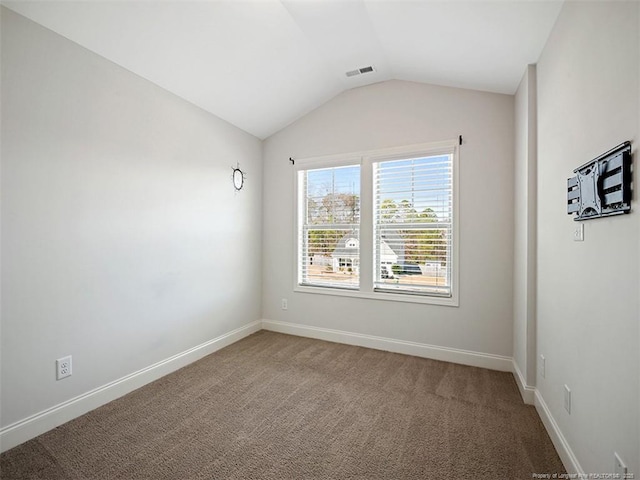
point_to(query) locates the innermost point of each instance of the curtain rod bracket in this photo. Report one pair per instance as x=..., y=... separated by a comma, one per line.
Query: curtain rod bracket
x=293, y=162
x=460, y=139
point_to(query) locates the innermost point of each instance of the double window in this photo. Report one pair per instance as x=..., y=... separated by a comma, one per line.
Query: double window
x=380, y=224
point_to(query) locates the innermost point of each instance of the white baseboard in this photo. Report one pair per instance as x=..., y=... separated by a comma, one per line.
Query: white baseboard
x=530, y=395
x=23, y=430
x=567, y=456
x=527, y=392
x=453, y=355
x=28, y=428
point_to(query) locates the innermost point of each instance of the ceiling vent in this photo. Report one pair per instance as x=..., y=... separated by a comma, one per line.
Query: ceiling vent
x=360, y=71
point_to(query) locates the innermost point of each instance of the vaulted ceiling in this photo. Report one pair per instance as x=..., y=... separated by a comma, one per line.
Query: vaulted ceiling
x=262, y=64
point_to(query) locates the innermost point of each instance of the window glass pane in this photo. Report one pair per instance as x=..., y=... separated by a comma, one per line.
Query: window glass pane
x=329, y=235
x=413, y=225
x=333, y=258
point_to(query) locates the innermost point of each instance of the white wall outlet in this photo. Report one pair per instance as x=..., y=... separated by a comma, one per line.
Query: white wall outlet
x=285, y=305
x=63, y=367
x=567, y=399
x=578, y=232
x=619, y=467
x=543, y=366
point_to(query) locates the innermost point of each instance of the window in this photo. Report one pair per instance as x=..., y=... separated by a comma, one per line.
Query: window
x=413, y=224
x=379, y=224
x=330, y=227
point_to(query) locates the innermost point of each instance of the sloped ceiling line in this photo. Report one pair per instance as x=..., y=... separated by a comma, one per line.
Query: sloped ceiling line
x=262, y=64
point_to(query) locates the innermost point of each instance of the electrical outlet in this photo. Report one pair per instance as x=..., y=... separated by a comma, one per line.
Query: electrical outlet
x=543, y=366
x=619, y=467
x=63, y=367
x=567, y=399
x=578, y=232
x=284, y=304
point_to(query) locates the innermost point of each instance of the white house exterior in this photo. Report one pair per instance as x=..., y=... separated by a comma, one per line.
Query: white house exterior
x=346, y=256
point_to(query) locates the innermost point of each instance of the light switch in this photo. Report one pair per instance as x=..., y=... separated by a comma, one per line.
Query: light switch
x=578, y=232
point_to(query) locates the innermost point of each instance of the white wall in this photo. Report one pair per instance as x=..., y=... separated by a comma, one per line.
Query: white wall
x=587, y=308
x=390, y=114
x=124, y=243
x=123, y=240
x=524, y=278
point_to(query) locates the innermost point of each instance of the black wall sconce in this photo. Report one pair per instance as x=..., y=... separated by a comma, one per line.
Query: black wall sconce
x=238, y=177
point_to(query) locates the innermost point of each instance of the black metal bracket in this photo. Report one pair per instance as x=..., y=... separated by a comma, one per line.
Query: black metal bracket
x=293, y=162
x=601, y=186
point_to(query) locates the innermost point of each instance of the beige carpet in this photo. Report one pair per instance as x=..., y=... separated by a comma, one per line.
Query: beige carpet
x=274, y=406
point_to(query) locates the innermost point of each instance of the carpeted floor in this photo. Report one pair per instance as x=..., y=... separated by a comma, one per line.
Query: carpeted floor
x=274, y=406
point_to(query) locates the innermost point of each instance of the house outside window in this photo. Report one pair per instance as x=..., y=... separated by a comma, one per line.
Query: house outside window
x=346, y=253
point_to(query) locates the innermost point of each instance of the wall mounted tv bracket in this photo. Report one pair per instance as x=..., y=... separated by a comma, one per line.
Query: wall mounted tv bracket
x=601, y=186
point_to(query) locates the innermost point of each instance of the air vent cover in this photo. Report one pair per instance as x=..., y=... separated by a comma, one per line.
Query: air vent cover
x=360, y=71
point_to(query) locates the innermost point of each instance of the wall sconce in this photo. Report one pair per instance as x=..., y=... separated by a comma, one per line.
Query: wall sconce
x=238, y=177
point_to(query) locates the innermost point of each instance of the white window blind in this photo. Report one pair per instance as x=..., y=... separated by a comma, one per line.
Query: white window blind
x=413, y=225
x=329, y=227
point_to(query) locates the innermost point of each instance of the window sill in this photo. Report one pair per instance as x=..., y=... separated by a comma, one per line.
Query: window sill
x=384, y=296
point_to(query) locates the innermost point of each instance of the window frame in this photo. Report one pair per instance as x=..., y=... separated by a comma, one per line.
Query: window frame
x=302, y=229
x=366, y=160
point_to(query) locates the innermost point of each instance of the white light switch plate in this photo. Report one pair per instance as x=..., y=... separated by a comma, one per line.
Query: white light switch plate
x=578, y=232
